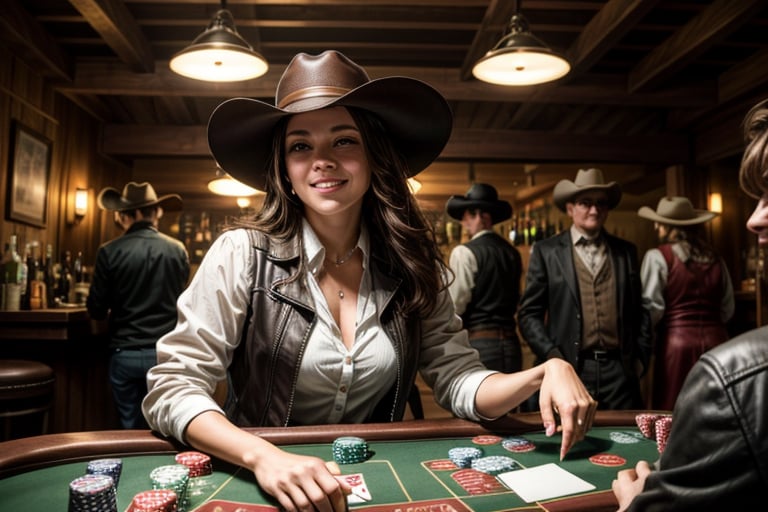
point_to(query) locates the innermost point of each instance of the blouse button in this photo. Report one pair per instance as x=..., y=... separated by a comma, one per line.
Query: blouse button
x=343, y=389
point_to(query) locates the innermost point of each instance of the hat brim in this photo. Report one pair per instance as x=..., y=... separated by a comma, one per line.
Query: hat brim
x=112, y=199
x=565, y=190
x=457, y=205
x=701, y=217
x=240, y=130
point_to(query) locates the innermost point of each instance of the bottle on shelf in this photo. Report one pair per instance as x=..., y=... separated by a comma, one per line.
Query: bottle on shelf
x=64, y=283
x=49, y=277
x=11, y=268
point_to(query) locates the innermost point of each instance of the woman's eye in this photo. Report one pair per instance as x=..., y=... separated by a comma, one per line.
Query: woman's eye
x=345, y=141
x=297, y=146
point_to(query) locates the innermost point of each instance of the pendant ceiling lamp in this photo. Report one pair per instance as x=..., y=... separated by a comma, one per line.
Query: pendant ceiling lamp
x=520, y=58
x=225, y=185
x=220, y=54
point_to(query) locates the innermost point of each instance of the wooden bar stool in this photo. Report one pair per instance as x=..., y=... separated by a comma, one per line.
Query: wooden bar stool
x=26, y=388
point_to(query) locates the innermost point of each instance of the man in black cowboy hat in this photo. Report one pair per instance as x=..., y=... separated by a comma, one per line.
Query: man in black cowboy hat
x=136, y=281
x=486, y=285
x=582, y=300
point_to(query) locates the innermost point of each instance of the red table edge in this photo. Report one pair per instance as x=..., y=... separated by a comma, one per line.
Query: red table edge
x=31, y=453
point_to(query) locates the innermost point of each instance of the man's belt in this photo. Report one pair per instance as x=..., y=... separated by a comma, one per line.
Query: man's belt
x=496, y=334
x=600, y=354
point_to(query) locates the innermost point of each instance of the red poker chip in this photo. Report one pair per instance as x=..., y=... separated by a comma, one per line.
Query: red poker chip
x=607, y=459
x=663, y=426
x=158, y=500
x=646, y=423
x=486, y=440
x=199, y=464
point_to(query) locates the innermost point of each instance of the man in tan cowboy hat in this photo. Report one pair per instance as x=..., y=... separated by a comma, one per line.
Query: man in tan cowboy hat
x=582, y=300
x=136, y=281
x=486, y=285
x=687, y=291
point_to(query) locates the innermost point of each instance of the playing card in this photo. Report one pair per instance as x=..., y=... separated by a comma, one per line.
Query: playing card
x=360, y=492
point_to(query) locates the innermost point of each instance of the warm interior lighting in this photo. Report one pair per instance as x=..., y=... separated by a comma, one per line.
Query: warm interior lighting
x=81, y=202
x=225, y=185
x=220, y=54
x=520, y=58
x=243, y=202
x=414, y=185
x=716, y=202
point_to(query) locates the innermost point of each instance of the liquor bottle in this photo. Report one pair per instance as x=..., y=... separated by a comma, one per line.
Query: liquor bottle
x=49, y=277
x=64, y=283
x=11, y=266
x=36, y=289
x=26, y=278
x=78, y=267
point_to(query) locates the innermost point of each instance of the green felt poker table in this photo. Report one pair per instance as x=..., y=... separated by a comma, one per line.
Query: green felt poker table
x=408, y=469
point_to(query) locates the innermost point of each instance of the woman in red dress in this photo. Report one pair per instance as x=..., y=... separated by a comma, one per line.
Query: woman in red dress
x=688, y=292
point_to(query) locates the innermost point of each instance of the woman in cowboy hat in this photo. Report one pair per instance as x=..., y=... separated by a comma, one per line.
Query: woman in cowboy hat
x=687, y=291
x=323, y=307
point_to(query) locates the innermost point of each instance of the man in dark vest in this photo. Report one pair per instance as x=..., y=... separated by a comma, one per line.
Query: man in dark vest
x=582, y=299
x=486, y=285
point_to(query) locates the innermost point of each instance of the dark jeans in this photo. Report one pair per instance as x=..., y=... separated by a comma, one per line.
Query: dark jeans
x=607, y=382
x=503, y=355
x=128, y=374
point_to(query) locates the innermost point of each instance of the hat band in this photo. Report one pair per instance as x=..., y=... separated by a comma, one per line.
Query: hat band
x=312, y=92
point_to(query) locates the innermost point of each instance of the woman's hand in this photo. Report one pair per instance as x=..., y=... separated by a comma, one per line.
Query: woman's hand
x=562, y=393
x=301, y=483
x=629, y=483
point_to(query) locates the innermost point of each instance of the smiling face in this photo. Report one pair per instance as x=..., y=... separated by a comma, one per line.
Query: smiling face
x=589, y=211
x=327, y=164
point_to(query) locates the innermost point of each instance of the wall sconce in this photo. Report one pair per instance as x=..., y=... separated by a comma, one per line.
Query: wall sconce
x=716, y=202
x=77, y=206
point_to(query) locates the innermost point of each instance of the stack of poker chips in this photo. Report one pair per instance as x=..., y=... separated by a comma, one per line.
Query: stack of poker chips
x=111, y=467
x=495, y=464
x=655, y=426
x=462, y=456
x=200, y=468
x=174, y=477
x=157, y=500
x=92, y=493
x=350, y=450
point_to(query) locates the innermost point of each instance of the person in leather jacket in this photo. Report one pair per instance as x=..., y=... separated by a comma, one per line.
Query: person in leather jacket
x=323, y=307
x=716, y=457
x=136, y=281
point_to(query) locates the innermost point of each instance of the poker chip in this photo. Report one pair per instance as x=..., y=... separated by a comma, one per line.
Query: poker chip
x=495, y=464
x=111, y=467
x=350, y=450
x=91, y=493
x=156, y=500
x=486, y=439
x=646, y=422
x=462, y=456
x=518, y=445
x=200, y=469
x=174, y=477
x=625, y=437
x=662, y=426
x=608, y=460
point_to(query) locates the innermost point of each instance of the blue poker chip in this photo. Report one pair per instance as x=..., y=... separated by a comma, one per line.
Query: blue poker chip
x=111, y=467
x=90, y=493
x=495, y=464
x=462, y=456
x=518, y=444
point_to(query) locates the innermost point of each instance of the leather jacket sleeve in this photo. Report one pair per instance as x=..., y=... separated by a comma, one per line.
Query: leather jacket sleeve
x=534, y=305
x=716, y=457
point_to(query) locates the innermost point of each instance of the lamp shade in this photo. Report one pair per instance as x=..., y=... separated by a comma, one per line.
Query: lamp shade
x=520, y=58
x=219, y=54
x=225, y=185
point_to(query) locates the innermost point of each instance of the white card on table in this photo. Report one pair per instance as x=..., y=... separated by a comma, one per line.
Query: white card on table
x=544, y=482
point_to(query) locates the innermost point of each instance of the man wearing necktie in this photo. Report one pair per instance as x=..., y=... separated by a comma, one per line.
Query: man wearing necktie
x=582, y=300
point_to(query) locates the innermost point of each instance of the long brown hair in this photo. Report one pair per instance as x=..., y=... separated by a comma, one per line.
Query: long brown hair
x=753, y=175
x=401, y=237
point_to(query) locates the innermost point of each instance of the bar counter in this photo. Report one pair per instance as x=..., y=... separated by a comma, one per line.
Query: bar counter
x=63, y=339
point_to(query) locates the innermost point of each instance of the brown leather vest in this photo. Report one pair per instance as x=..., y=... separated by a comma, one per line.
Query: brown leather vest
x=599, y=327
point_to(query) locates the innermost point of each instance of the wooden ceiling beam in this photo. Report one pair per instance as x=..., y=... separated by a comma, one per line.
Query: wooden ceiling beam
x=705, y=30
x=465, y=144
x=114, y=22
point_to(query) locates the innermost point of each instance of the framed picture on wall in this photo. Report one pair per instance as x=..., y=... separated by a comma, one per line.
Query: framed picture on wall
x=29, y=169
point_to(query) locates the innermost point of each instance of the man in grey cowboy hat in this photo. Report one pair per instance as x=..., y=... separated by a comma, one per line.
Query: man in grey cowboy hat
x=136, y=281
x=486, y=285
x=582, y=300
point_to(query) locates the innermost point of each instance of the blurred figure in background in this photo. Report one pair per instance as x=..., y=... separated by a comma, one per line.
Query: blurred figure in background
x=687, y=291
x=487, y=269
x=136, y=281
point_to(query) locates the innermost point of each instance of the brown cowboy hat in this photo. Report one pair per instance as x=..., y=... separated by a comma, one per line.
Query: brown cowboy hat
x=482, y=196
x=135, y=196
x=586, y=179
x=676, y=211
x=418, y=118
